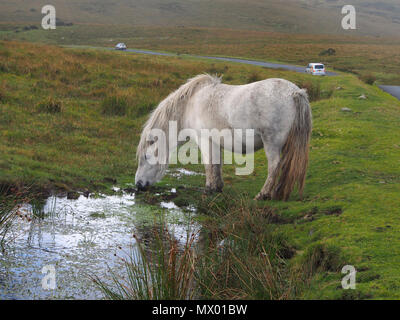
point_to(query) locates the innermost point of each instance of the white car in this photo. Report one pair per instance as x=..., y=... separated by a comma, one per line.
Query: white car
x=316, y=69
x=120, y=46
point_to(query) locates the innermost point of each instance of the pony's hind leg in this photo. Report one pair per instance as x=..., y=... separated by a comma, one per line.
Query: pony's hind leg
x=273, y=156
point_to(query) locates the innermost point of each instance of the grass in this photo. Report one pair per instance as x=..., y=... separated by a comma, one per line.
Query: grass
x=115, y=106
x=368, y=78
x=361, y=55
x=50, y=106
x=314, y=90
x=348, y=214
x=245, y=255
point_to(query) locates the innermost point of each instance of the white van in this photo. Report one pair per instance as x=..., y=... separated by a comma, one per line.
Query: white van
x=316, y=69
x=120, y=46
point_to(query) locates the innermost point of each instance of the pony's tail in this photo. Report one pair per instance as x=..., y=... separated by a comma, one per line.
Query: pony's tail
x=292, y=167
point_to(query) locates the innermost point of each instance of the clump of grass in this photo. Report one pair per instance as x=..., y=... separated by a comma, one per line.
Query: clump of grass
x=125, y=105
x=10, y=200
x=246, y=259
x=314, y=90
x=50, y=105
x=328, y=52
x=164, y=273
x=31, y=27
x=232, y=272
x=321, y=258
x=115, y=105
x=368, y=78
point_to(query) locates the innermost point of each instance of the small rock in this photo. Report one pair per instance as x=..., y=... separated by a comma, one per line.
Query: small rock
x=339, y=88
x=346, y=110
x=363, y=97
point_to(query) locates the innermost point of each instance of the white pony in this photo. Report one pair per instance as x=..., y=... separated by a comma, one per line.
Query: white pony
x=276, y=109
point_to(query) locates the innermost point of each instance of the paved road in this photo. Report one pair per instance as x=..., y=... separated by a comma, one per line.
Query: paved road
x=393, y=90
x=155, y=53
x=245, y=61
x=265, y=64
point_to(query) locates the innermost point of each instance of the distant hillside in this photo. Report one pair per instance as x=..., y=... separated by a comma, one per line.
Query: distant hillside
x=304, y=16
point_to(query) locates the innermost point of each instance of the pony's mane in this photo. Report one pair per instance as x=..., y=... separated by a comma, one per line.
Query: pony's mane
x=171, y=107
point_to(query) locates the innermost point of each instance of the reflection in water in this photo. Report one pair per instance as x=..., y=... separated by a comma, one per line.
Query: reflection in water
x=80, y=237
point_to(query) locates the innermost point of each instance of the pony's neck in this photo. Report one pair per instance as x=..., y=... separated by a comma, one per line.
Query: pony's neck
x=173, y=108
x=170, y=126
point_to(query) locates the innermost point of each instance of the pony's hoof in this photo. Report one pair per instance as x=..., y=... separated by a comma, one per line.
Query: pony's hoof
x=209, y=190
x=261, y=197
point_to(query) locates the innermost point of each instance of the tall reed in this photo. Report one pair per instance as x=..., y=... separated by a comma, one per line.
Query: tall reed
x=165, y=272
x=10, y=203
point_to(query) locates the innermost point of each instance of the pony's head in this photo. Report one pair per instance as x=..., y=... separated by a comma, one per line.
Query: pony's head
x=152, y=158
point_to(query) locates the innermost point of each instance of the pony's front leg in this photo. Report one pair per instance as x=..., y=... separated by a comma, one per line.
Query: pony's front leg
x=214, y=181
x=213, y=168
x=273, y=156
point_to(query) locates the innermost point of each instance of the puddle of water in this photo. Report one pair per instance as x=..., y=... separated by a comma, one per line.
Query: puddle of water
x=169, y=205
x=79, y=238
